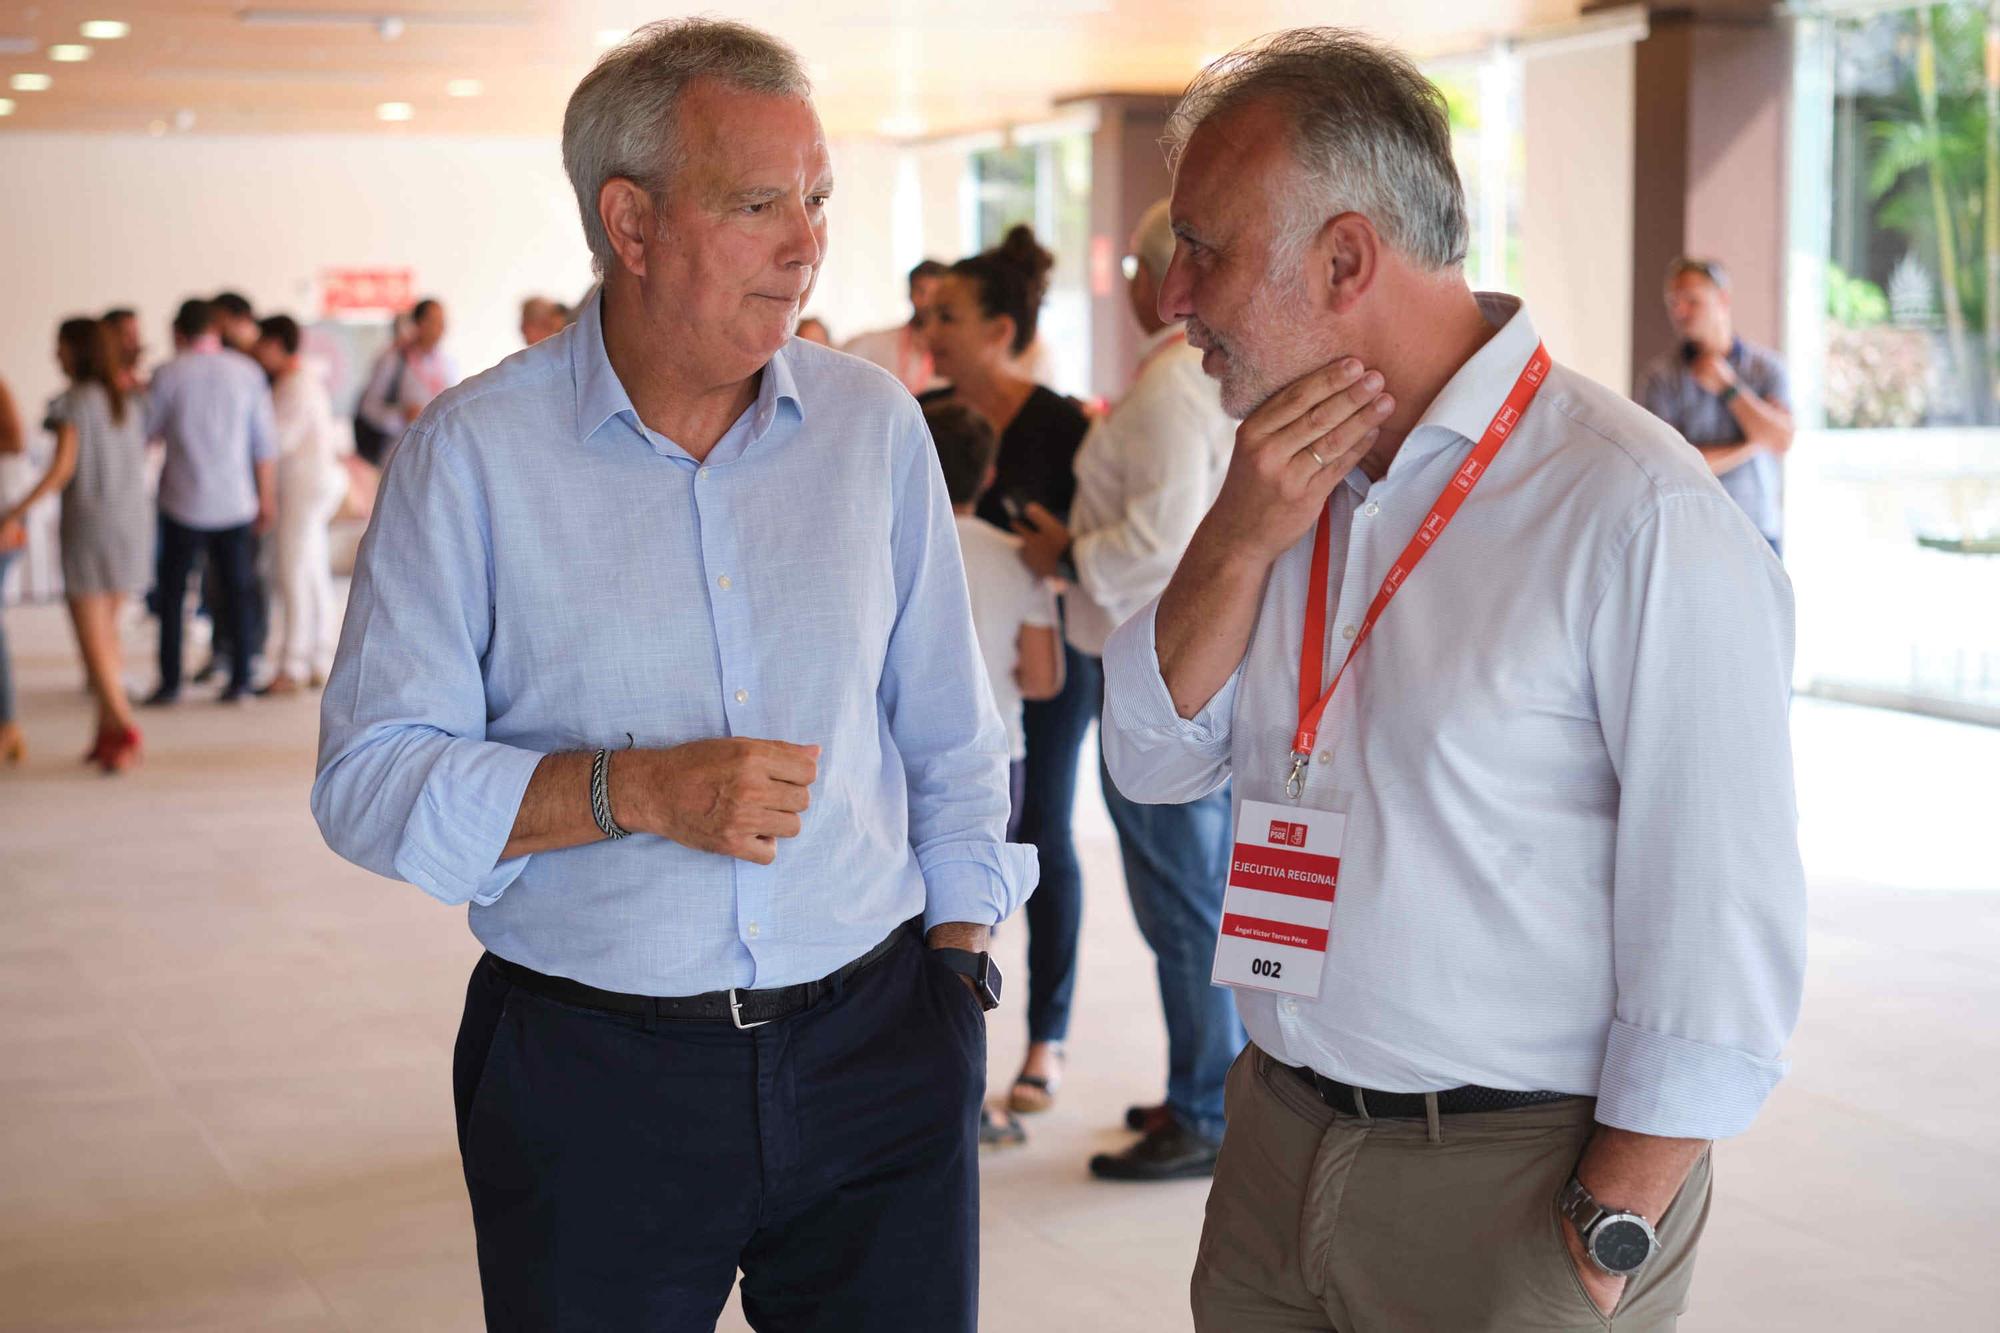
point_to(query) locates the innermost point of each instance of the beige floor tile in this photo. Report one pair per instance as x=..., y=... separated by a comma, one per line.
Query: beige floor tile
x=225, y=1061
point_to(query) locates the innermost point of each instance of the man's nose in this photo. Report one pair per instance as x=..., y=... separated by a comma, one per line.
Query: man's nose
x=1175, y=302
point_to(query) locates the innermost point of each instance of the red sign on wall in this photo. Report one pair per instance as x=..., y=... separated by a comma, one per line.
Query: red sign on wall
x=369, y=291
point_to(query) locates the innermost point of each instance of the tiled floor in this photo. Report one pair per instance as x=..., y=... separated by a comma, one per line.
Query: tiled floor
x=224, y=1100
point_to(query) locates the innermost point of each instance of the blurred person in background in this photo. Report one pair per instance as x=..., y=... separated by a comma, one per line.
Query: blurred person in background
x=542, y=318
x=1145, y=475
x=980, y=317
x=13, y=539
x=235, y=321
x=813, y=330
x=903, y=350
x=406, y=377
x=124, y=324
x=1730, y=398
x=211, y=407
x=106, y=531
x=311, y=485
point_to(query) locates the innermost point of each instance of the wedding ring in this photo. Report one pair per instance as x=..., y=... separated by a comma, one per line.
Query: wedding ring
x=1316, y=458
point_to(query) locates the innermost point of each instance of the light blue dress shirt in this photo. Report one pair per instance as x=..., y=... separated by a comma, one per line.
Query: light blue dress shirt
x=546, y=574
x=212, y=408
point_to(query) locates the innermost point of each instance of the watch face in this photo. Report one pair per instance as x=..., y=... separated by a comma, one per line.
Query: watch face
x=1620, y=1246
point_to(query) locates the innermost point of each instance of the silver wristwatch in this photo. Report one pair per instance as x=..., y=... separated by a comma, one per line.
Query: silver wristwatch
x=1618, y=1243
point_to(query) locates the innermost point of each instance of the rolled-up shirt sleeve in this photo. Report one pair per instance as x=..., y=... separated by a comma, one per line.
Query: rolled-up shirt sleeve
x=1156, y=756
x=941, y=713
x=1691, y=651
x=408, y=785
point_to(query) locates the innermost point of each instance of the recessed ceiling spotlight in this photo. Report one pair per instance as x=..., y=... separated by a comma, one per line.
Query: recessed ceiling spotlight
x=69, y=53
x=6, y=106
x=184, y=120
x=395, y=111
x=31, y=83
x=464, y=88
x=105, y=30
x=157, y=128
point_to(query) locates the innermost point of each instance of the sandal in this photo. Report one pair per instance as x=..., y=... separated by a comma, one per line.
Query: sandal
x=1034, y=1093
x=999, y=1128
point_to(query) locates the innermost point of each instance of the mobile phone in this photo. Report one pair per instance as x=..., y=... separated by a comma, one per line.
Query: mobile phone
x=1015, y=505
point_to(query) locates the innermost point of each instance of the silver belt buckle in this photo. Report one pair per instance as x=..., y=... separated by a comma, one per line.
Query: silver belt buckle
x=736, y=1013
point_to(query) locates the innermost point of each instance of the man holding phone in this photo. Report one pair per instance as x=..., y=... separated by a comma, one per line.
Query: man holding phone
x=1727, y=396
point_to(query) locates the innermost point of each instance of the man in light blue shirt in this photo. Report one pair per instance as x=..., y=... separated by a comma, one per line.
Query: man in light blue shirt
x=676, y=575
x=211, y=406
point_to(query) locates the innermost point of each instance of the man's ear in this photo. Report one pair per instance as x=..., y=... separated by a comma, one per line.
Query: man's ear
x=626, y=211
x=1346, y=256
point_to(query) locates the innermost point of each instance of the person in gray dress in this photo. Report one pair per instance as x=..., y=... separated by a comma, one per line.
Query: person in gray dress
x=100, y=469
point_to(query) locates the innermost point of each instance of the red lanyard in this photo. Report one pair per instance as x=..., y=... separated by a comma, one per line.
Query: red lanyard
x=1312, y=651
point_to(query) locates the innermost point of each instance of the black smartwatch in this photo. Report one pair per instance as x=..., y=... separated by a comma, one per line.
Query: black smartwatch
x=1618, y=1243
x=980, y=967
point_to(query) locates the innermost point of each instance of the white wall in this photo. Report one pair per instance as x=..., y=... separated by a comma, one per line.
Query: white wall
x=1576, y=206
x=95, y=221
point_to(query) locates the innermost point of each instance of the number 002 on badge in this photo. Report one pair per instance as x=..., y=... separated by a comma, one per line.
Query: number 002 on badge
x=1279, y=902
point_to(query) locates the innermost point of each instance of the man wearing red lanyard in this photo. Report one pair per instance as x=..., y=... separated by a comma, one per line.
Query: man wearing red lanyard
x=1514, y=914
x=406, y=378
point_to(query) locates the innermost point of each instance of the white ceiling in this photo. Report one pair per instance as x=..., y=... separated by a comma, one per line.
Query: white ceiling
x=901, y=68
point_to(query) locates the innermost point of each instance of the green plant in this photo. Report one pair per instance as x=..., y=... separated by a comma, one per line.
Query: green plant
x=1855, y=303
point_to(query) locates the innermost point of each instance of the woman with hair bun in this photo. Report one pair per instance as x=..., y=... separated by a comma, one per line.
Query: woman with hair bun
x=981, y=320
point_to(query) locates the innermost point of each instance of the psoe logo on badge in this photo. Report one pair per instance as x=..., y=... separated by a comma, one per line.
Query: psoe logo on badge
x=1298, y=835
x=1286, y=834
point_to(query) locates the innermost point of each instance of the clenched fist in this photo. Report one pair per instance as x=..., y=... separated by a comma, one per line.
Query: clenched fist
x=732, y=796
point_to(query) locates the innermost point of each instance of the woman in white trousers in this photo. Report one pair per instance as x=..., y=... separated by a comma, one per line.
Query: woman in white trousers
x=311, y=486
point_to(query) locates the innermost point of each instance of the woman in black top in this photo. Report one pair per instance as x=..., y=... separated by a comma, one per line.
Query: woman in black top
x=980, y=321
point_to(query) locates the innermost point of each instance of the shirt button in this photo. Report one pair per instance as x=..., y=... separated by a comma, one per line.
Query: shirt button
x=700, y=473
x=1371, y=509
x=743, y=696
x=1291, y=1006
x=1325, y=757
x=753, y=930
x=1347, y=631
x=723, y=583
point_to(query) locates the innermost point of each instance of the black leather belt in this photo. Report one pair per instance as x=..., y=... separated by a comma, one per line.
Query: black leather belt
x=743, y=1008
x=1346, y=1099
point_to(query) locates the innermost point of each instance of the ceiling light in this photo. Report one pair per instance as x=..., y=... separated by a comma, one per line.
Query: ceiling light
x=157, y=128
x=6, y=106
x=31, y=83
x=902, y=126
x=464, y=88
x=184, y=120
x=610, y=37
x=395, y=111
x=69, y=53
x=106, y=30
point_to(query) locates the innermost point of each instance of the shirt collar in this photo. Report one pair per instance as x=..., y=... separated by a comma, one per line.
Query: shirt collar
x=601, y=396
x=1465, y=407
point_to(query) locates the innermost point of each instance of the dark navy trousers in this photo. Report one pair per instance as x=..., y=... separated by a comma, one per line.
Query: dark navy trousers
x=621, y=1174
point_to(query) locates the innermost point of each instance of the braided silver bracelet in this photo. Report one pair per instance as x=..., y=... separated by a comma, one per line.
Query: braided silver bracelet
x=600, y=796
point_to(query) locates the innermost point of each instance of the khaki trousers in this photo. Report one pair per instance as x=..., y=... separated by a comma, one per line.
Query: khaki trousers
x=1318, y=1222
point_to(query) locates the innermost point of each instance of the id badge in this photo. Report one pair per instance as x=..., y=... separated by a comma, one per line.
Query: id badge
x=1278, y=905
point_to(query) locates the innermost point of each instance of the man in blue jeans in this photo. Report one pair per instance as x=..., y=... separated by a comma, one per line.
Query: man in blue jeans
x=1144, y=477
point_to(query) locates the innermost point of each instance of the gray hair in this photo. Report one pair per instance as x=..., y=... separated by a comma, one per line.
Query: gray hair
x=623, y=119
x=1371, y=132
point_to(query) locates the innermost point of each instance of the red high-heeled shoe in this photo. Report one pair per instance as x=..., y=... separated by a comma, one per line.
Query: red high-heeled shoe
x=106, y=738
x=126, y=749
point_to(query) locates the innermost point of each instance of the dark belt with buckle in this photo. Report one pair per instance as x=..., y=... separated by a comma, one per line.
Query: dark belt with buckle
x=1346, y=1099
x=743, y=1008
